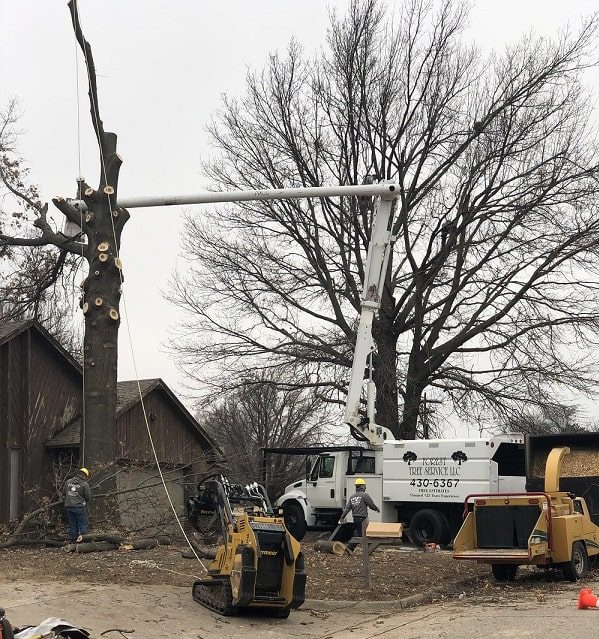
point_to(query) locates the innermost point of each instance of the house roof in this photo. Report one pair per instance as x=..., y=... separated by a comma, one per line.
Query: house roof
x=128, y=394
x=10, y=329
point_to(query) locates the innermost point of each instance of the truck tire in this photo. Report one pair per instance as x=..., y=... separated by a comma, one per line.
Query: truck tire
x=295, y=522
x=429, y=527
x=578, y=566
x=504, y=572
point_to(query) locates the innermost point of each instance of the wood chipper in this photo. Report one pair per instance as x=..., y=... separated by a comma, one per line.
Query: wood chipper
x=257, y=564
x=549, y=528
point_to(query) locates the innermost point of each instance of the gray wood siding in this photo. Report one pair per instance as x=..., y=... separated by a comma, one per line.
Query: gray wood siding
x=173, y=437
x=54, y=399
x=13, y=407
x=38, y=390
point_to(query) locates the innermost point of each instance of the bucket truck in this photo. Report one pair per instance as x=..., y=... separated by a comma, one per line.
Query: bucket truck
x=421, y=483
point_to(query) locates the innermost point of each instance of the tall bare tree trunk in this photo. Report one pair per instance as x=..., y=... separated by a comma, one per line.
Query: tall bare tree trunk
x=102, y=223
x=385, y=374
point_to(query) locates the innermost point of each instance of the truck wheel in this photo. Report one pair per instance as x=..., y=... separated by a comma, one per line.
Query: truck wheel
x=295, y=522
x=504, y=572
x=429, y=527
x=578, y=566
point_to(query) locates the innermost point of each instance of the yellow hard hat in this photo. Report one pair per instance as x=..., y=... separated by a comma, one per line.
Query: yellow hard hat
x=359, y=482
x=84, y=471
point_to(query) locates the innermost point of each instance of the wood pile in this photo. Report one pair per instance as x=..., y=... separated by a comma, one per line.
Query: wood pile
x=97, y=542
x=581, y=462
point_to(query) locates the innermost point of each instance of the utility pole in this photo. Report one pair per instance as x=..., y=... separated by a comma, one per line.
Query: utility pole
x=426, y=412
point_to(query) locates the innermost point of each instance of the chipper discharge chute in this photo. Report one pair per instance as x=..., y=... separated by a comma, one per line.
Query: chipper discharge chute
x=550, y=529
x=258, y=564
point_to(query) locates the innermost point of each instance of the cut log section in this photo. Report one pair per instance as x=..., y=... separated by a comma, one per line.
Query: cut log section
x=91, y=546
x=331, y=547
x=139, y=544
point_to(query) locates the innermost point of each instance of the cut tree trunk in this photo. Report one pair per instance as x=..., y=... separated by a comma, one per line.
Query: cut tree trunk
x=385, y=374
x=331, y=547
x=139, y=544
x=92, y=546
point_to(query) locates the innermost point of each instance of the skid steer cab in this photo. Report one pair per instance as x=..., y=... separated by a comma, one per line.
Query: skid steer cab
x=257, y=563
x=549, y=529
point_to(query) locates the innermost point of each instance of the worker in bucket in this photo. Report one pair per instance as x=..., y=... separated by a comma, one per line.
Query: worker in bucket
x=359, y=503
x=77, y=494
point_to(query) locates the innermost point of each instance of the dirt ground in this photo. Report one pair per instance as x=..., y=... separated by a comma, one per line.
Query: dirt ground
x=395, y=572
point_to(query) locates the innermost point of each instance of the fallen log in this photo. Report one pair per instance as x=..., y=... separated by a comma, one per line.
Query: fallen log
x=331, y=547
x=26, y=541
x=139, y=544
x=113, y=538
x=92, y=546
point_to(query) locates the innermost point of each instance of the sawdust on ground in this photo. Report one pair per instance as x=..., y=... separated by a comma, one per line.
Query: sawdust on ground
x=394, y=573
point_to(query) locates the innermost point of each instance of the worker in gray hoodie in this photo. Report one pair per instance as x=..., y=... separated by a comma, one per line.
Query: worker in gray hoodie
x=359, y=503
x=77, y=494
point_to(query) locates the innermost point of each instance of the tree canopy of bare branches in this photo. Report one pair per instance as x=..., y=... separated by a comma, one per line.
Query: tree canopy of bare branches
x=35, y=281
x=547, y=420
x=491, y=296
x=262, y=416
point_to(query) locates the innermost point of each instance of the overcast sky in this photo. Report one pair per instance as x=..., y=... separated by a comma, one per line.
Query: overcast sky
x=163, y=67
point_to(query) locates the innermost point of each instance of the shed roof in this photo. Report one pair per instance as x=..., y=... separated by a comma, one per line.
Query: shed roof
x=10, y=329
x=128, y=394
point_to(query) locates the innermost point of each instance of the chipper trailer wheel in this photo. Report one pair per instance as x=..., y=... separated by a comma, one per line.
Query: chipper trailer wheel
x=578, y=566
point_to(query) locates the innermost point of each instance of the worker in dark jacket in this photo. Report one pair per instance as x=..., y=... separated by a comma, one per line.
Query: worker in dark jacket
x=77, y=494
x=359, y=503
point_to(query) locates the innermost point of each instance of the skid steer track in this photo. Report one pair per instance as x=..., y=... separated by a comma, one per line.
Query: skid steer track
x=215, y=594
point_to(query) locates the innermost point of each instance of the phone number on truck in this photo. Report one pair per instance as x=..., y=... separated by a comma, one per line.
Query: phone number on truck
x=435, y=483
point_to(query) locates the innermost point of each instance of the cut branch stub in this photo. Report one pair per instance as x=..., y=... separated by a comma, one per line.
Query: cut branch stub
x=98, y=301
x=89, y=192
x=85, y=307
x=108, y=190
x=89, y=217
x=103, y=257
x=103, y=247
x=118, y=263
x=114, y=314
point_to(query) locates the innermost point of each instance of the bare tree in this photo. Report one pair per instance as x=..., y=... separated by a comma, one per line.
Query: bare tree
x=35, y=281
x=551, y=419
x=262, y=416
x=491, y=296
x=97, y=241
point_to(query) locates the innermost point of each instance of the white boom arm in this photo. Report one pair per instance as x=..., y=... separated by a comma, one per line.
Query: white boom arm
x=383, y=190
x=377, y=260
x=381, y=241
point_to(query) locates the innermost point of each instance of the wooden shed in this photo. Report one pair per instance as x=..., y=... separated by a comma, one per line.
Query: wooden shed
x=40, y=392
x=175, y=439
x=41, y=431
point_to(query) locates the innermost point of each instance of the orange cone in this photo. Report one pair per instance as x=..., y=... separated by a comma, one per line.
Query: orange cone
x=586, y=599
